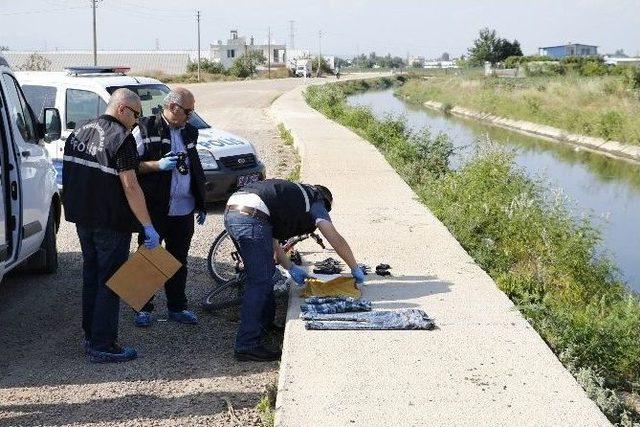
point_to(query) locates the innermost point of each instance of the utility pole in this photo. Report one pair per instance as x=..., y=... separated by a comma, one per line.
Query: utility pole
x=198, y=16
x=319, y=52
x=291, y=31
x=95, y=42
x=269, y=52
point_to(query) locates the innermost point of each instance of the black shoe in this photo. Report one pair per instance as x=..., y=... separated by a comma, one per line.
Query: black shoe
x=258, y=354
x=274, y=328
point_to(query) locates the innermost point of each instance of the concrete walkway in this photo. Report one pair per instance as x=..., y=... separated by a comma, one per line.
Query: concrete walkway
x=484, y=365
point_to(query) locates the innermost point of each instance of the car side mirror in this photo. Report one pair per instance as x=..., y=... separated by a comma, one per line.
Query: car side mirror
x=53, y=126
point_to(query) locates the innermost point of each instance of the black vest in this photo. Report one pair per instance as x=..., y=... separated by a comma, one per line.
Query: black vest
x=156, y=186
x=92, y=192
x=288, y=204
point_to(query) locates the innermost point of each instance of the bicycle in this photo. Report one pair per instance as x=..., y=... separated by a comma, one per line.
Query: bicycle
x=224, y=261
x=227, y=270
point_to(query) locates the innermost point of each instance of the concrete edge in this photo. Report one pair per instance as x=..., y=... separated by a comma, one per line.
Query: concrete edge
x=612, y=149
x=277, y=116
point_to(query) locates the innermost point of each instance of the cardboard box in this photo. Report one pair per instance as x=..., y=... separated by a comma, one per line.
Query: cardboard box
x=143, y=273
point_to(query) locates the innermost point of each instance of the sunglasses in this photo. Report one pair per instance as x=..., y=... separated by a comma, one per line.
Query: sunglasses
x=187, y=111
x=136, y=114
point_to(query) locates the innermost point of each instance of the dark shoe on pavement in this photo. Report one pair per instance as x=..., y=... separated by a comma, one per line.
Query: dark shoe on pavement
x=115, y=354
x=258, y=354
x=142, y=319
x=184, y=316
x=275, y=328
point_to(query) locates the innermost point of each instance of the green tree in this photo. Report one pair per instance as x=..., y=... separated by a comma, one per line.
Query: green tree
x=324, y=66
x=247, y=64
x=3, y=48
x=489, y=47
x=505, y=49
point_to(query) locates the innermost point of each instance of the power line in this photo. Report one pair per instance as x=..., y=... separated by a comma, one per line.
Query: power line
x=34, y=12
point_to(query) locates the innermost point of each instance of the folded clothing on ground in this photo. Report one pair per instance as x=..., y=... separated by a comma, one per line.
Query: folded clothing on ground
x=327, y=305
x=338, y=287
x=408, y=318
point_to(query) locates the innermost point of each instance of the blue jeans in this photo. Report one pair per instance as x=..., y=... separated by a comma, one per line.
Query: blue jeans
x=255, y=241
x=103, y=252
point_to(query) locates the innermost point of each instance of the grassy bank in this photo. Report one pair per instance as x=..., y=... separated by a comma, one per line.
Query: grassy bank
x=606, y=107
x=543, y=259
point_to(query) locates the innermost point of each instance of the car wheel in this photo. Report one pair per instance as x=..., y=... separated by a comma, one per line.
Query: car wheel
x=45, y=261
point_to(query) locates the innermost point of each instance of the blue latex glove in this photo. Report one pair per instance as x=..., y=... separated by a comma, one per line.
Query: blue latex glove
x=298, y=274
x=152, y=239
x=200, y=217
x=168, y=162
x=357, y=274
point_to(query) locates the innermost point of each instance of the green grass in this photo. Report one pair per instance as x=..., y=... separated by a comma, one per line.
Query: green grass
x=285, y=134
x=287, y=138
x=606, y=107
x=544, y=260
x=267, y=405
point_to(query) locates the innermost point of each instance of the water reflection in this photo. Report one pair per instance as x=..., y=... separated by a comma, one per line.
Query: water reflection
x=608, y=190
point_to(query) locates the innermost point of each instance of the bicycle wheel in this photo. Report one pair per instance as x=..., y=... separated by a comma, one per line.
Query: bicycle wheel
x=224, y=260
x=226, y=295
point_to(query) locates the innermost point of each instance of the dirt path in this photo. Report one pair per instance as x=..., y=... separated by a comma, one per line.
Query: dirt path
x=185, y=375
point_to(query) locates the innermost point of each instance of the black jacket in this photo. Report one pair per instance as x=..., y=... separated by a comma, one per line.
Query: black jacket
x=156, y=137
x=93, y=195
x=289, y=205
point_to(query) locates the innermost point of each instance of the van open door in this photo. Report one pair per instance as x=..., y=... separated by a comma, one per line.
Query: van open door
x=6, y=247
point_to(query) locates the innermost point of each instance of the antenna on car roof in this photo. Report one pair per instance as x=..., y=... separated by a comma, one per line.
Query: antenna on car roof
x=78, y=71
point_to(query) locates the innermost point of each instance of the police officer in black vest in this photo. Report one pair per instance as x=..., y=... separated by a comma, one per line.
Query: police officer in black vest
x=103, y=198
x=258, y=217
x=173, y=181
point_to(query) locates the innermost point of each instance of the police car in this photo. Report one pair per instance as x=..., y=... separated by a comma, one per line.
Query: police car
x=82, y=93
x=30, y=207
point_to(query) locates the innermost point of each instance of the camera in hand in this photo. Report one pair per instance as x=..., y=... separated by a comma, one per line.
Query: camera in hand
x=181, y=164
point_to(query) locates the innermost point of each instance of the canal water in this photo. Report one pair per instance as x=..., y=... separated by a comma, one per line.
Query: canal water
x=607, y=190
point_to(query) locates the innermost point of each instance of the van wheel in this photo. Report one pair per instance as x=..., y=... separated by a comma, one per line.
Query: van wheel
x=45, y=261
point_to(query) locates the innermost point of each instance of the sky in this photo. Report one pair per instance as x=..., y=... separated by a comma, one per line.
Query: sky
x=400, y=27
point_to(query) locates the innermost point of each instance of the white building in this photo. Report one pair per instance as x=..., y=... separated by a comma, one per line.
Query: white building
x=226, y=54
x=140, y=62
x=610, y=60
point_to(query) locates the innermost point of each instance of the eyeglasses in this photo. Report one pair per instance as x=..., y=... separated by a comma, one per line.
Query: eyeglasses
x=187, y=111
x=136, y=114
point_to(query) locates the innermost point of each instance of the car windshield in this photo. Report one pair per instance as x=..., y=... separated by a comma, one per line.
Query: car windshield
x=152, y=97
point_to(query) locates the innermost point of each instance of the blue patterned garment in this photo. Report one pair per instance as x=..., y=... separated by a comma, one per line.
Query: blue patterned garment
x=408, y=318
x=327, y=305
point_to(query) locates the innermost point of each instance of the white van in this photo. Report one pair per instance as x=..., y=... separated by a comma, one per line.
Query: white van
x=82, y=93
x=30, y=203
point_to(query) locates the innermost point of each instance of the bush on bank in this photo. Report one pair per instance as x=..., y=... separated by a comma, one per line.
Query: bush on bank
x=542, y=258
x=606, y=107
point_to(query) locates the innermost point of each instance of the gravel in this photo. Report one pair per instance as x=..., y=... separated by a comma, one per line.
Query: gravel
x=185, y=374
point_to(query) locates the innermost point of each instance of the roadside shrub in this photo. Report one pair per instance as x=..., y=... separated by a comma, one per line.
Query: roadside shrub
x=206, y=66
x=631, y=78
x=593, y=68
x=610, y=124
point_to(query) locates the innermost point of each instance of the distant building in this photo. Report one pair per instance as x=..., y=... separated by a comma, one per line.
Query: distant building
x=611, y=60
x=439, y=64
x=226, y=54
x=140, y=62
x=416, y=61
x=571, y=49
